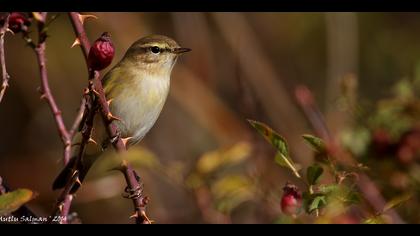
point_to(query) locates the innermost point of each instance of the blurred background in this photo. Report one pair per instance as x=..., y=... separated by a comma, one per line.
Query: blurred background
x=202, y=162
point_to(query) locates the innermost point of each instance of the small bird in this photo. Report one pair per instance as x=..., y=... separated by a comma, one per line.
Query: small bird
x=137, y=88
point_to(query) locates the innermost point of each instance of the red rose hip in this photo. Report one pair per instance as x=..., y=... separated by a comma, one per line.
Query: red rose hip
x=291, y=201
x=101, y=53
x=18, y=22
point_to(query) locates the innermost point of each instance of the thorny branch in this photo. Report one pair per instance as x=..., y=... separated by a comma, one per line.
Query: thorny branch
x=134, y=189
x=5, y=77
x=2, y=188
x=311, y=111
x=65, y=135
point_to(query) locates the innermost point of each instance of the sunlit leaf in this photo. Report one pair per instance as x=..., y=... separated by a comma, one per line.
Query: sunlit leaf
x=282, y=157
x=230, y=191
x=316, y=143
x=313, y=174
x=10, y=202
x=395, y=202
x=211, y=161
x=286, y=162
x=271, y=136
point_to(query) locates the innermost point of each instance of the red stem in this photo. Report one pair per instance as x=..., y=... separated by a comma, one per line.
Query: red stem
x=46, y=94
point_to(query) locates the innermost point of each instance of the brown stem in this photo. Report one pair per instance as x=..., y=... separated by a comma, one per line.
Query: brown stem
x=79, y=117
x=64, y=201
x=368, y=188
x=2, y=188
x=96, y=88
x=49, y=98
x=5, y=77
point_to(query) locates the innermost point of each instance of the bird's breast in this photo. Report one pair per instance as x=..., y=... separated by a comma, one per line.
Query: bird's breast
x=139, y=105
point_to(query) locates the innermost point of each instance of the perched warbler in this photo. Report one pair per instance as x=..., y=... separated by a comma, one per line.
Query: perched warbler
x=137, y=88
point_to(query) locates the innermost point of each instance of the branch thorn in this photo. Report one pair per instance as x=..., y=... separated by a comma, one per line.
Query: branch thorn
x=75, y=43
x=91, y=140
x=109, y=101
x=111, y=117
x=82, y=18
x=78, y=181
x=11, y=31
x=125, y=140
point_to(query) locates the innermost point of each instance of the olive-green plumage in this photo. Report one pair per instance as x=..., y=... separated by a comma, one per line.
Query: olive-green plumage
x=137, y=88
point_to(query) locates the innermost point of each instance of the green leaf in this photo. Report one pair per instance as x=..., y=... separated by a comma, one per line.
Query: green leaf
x=330, y=188
x=317, y=203
x=316, y=143
x=342, y=193
x=282, y=157
x=313, y=174
x=286, y=162
x=271, y=136
x=397, y=201
x=10, y=202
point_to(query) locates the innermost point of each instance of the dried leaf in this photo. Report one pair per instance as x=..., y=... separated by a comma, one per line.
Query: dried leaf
x=282, y=157
x=271, y=136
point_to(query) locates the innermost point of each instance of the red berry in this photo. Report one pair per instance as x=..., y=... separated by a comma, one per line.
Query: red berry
x=291, y=202
x=101, y=53
x=18, y=22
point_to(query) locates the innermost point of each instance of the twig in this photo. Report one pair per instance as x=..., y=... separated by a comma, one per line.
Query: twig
x=2, y=188
x=4, y=75
x=370, y=191
x=64, y=200
x=79, y=117
x=46, y=94
x=134, y=189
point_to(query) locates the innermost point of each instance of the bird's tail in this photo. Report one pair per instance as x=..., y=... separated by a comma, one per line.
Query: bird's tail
x=81, y=168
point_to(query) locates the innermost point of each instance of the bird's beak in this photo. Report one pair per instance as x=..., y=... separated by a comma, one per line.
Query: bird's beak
x=181, y=50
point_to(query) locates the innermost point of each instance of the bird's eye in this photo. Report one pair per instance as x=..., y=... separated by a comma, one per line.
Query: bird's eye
x=155, y=49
